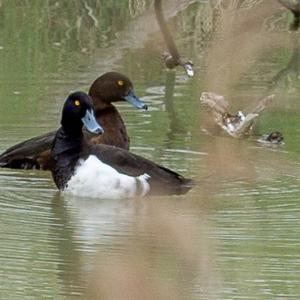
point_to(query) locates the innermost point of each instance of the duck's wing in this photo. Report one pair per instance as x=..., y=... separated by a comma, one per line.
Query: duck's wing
x=30, y=154
x=245, y=126
x=263, y=104
x=163, y=181
x=217, y=103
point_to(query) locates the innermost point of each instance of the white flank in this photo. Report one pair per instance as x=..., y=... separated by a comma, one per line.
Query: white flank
x=93, y=178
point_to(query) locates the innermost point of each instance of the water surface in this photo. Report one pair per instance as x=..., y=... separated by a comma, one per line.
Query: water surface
x=235, y=236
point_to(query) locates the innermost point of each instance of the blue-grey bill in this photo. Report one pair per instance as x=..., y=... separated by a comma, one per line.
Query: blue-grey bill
x=135, y=101
x=90, y=123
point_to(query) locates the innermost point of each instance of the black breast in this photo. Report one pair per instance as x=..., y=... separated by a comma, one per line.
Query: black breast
x=65, y=154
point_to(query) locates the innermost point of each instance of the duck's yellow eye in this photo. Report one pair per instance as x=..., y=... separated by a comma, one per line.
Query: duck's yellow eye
x=120, y=82
x=77, y=103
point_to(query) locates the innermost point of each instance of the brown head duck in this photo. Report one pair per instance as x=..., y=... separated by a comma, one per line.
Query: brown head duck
x=109, y=88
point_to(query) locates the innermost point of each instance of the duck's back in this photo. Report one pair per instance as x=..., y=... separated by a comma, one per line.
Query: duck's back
x=30, y=154
x=163, y=181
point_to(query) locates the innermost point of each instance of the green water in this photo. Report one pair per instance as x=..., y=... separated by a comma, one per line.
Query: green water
x=235, y=236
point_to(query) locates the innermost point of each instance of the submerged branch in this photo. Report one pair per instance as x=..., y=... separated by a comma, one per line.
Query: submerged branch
x=173, y=58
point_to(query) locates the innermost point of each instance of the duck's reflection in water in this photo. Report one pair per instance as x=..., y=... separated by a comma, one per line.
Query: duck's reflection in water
x=68, y=246
x=82, y=225
x=142, y=248
x=167, y=255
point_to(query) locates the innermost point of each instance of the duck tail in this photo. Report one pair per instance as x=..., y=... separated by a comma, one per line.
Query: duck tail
x=186, y=185
x=142, y=184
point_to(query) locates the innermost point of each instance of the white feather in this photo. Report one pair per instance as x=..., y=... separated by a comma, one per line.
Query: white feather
x=93, y=178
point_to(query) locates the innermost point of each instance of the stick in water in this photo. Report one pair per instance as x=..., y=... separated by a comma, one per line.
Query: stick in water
x=172, y=58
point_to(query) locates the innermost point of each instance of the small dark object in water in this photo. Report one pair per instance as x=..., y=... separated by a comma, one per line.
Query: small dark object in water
x=273, y=138
x=172, y=58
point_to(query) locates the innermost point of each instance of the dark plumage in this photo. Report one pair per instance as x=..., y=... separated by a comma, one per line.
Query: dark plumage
x=108, y=88
x=274, y=137
x=162, y=180
x=70, y=148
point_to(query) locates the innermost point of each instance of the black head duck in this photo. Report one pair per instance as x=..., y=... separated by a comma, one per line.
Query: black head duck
x=103, y=171
x=109, y=88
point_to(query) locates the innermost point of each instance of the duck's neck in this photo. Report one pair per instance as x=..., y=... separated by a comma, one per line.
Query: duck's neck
x=115, y=133
x=100, y=104
x=71, y=128
x=66, y=150
x=66, y=142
